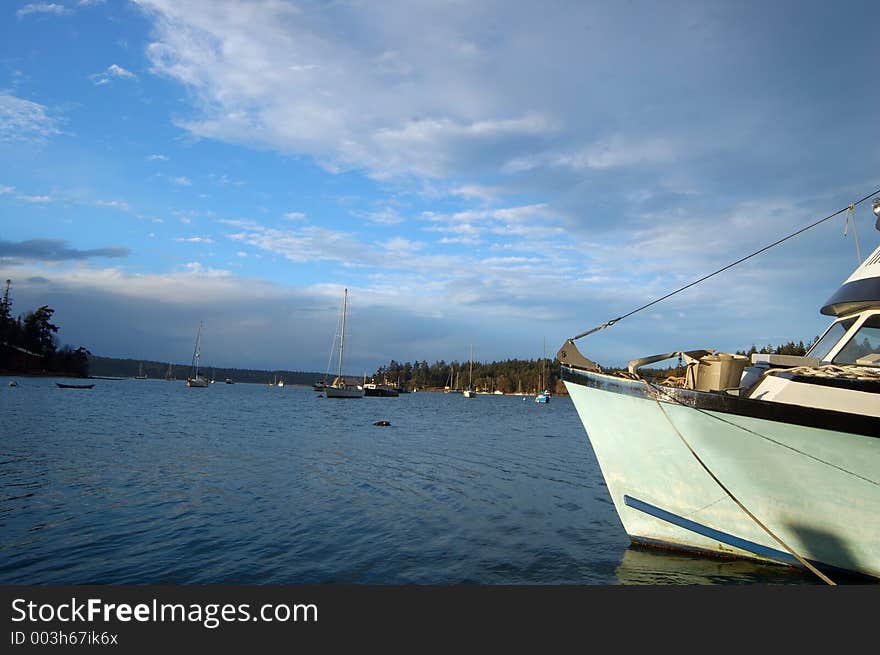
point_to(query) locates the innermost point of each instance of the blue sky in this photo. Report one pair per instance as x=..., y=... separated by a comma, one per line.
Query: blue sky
x=486, y=173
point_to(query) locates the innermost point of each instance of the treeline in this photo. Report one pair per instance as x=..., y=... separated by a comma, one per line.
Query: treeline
x=129, y=368
x=790, y=348
x=28, y=343
x=508, y=376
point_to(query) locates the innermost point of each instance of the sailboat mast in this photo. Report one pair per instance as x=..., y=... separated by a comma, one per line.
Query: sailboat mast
x=196, y=353
x=342, y=333
x=471, y=368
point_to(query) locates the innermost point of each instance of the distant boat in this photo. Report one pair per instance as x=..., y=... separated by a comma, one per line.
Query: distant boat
x=469, y=392
x=281, y=382
x=229, y=381
x=195, y=380
x=169, y=374
x=140, y=375
x=339, y=388
x=319, y=386
x=377, y=390
x=13, y=383
x=543, y=397
x=74, y=386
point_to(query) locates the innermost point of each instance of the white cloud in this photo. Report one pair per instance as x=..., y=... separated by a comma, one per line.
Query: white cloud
x=181, y=181
x=385, y=216
x=158, y=158
x=254, y=69
x=43, y=8
x=121, y=205
x=295, y=216
x=23, y=120
x=112, y=71
x=6, y=189
x=206, y=240
x=37, y=199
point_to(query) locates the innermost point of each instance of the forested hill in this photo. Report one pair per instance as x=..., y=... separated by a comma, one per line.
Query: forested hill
x=129, y=368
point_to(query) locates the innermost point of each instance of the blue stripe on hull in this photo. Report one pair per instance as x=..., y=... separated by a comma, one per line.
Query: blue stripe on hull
x=725, y=538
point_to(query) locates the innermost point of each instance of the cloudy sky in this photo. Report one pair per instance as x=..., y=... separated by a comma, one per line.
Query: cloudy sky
x=495, y=174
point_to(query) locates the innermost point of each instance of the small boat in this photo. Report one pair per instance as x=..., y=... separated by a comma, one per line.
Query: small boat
x=544, y=396
x=195, y=380
x=169, y=374
x=74, y=386
x=319, y=386
x=229, y=381
x=340, y=388
x=469, y=392
x=140, y=375
x=380, y=390
x=770, y=457
x=13, y=383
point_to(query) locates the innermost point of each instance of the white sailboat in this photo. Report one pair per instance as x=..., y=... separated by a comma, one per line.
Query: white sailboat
x=339, y=388
x=196, y=380
x=543, y=396
x=774, y=458
x=469, y=392
x=140, y=375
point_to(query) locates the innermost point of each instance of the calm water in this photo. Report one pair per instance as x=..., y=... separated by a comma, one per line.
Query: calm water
x=150, y=482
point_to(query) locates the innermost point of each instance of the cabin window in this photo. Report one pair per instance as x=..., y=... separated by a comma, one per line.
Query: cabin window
x=832, y=335
x=865, y=341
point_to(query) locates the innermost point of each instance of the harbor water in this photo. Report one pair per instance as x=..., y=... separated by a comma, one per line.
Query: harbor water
x=149, y=482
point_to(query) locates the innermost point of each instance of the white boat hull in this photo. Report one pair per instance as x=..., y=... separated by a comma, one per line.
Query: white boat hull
x=199, y=383
x=343, y=392
x=814, y=487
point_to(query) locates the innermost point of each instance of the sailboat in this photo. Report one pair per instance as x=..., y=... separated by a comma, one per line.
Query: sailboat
x=169, y=374
x=543, y=396
x=194, y=379
x=339, y=388
x=469, y=392
x=140, y=375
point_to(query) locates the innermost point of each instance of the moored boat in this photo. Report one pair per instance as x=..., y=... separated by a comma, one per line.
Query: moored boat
x=61, y=385
x=773, y=457
x=195, y=380
x=470, y=392
x=340, y=387
x=371, y=389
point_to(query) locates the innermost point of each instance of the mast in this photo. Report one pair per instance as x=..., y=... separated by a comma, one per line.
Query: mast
x=471, y=368
x=196, y=353
x=342, y=333
x=543, y=361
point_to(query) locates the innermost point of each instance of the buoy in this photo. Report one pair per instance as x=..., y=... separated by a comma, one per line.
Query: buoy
x=382, y=424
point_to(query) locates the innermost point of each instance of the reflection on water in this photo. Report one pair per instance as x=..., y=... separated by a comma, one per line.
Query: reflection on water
x=642, y=565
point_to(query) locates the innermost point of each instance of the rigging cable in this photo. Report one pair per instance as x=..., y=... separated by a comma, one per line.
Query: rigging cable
x=848, y=208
